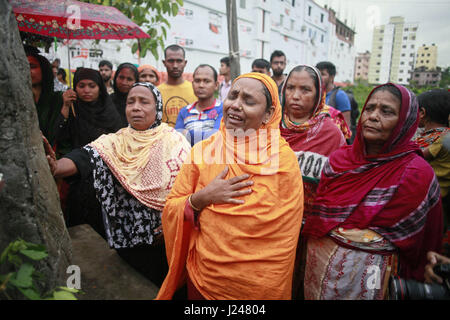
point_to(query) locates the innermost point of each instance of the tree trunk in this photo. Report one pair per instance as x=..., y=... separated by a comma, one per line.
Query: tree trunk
x=29, y=201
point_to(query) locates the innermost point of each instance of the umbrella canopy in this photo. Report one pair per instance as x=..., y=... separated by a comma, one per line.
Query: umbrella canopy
x=69, y=19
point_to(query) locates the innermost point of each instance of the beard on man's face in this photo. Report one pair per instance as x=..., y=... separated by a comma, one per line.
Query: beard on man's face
x=277, y=72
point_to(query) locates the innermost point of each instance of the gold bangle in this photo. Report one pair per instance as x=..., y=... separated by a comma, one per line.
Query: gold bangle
x=192, y=206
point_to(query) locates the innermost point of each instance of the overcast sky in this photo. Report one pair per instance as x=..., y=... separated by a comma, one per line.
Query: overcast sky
x=433, y=17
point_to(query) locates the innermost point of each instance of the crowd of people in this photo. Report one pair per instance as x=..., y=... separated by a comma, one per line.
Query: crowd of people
x=262, y=187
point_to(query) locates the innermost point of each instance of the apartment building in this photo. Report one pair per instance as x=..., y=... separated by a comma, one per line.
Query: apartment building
x=427, y=57
x=341, y=49
x=393, y=52
x=362, y=61
x=300, y=28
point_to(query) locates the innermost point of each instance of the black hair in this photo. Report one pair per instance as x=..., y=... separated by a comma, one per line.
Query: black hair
x=327, y=65
x=313, y=75
x=436, y=103
x=207, y=65
x=174, y=47
x=46, y=68
x=125, y=65
x=225, y=60
x=261, y=63
x=277, y=53
x=105, y=63
x=62, y=72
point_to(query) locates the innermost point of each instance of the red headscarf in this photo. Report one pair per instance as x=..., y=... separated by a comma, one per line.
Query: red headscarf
x=394, y=193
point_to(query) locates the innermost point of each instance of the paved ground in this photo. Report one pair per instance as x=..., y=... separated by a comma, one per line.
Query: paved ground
x=104, y=275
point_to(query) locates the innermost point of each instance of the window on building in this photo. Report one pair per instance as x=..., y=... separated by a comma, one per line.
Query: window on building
x=428, y=54
x=309, y=10
x=428, y=61
x=423, y=54
x=322, y=38
x=404, y=46
x=378, y=71
x=400, y=80
x=242, y=4
x=405, y=38
x=403, y=54
x=414, y=29
x=378, y=63
x=412, y=55
x=406, y=29
x=377, y=79
x=401, y=71
x=293, y=3
x=321, y=17
x=412, y=46
x=426, y=48
x=281, y=19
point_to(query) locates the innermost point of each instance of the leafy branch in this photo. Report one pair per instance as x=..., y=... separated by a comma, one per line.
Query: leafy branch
x=20, y=254
x=150, y=15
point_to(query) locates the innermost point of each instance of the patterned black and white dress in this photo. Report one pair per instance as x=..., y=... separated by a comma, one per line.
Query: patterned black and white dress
x=127, y=221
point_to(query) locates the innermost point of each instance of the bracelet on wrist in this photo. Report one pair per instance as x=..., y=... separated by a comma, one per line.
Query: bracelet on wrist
x=192, y=206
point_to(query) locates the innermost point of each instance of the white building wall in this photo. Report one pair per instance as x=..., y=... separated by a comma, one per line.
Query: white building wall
x=407, y=56
x=287, y=33
x=317, y=33
x=201, y=28
x=386, y=54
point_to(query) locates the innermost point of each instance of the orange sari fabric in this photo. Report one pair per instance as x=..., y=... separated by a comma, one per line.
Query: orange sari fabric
x=242, y=251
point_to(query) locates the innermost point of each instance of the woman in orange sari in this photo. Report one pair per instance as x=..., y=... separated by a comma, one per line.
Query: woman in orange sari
x=226, y=240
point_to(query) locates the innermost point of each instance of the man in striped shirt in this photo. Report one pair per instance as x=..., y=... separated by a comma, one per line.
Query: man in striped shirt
x=199, y=120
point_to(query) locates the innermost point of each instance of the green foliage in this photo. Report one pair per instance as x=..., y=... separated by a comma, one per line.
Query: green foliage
x=445, y=79
x=360, y=91
x=150, y=15
x=21, y=254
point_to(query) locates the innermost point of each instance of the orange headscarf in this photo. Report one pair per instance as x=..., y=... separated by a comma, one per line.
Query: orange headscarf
x=242, y=251
x=147, y=66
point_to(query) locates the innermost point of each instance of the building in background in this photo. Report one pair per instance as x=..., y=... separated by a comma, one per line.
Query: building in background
x=302, y=29
x=427, y=57
x=341, y=49
x=316, y=27
x=362, y=61
x=426, y=77
x=393, y=52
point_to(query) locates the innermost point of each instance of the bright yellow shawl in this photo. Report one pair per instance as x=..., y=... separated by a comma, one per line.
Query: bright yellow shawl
x=145, y=163
x=241, y=251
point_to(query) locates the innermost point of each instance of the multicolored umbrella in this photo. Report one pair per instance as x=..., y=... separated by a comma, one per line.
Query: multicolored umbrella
x=70, y=19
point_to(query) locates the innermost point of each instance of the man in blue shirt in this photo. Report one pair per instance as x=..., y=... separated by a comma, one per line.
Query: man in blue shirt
x=199, y=120
x=336, y=97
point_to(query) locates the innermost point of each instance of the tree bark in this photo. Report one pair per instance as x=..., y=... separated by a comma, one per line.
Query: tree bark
x=29, y=201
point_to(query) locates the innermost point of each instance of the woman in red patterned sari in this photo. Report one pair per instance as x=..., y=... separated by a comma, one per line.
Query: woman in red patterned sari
x=378, y=209
x=313, y=134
